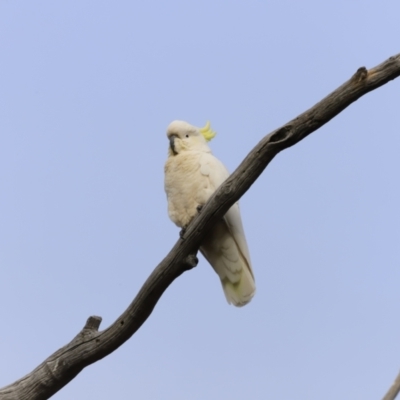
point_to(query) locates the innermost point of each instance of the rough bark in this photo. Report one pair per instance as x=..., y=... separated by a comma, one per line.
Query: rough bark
x=91, y=345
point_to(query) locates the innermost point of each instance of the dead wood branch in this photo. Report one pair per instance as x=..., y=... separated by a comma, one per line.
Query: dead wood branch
x=393, y=390
x=91, y=345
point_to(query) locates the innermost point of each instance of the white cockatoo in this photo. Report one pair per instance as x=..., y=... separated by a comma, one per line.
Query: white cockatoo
x=192, y=174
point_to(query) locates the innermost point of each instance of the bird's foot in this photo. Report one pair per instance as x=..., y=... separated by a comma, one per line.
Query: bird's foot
x=183, y=231
x=199, y=208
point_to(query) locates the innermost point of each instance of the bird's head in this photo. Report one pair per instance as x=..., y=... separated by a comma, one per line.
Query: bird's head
x=185, y=137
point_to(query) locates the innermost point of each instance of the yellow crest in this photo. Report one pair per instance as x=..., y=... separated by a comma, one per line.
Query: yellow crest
x=207, y=132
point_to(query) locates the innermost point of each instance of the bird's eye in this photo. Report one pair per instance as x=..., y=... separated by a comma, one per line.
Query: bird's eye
x=187, y=136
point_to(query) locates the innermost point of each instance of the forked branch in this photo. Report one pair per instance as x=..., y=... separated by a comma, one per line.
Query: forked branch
x=91, y=345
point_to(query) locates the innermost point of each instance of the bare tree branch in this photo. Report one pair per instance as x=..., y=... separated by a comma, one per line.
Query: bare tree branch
x=394, y=389
x=90, y=345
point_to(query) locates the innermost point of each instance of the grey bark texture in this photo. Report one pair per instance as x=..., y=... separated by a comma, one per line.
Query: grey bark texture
x=90, y=344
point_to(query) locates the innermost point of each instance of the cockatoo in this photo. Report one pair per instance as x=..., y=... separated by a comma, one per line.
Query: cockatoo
x=192, y=174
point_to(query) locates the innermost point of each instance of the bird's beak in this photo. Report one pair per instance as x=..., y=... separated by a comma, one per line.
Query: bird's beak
x=172, y=143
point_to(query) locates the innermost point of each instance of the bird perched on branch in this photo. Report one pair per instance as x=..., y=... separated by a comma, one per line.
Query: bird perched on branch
x=192, y=174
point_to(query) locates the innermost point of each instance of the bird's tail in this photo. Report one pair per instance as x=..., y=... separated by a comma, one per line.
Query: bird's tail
x=241, y=292
x=230, y=263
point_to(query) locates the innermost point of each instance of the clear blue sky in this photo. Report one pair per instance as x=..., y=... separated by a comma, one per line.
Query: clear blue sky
x=87, y=91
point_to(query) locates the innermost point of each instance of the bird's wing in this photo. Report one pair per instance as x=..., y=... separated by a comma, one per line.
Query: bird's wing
x=234, y=222
x=217, y=173
x=214, y=170
x=226, y=247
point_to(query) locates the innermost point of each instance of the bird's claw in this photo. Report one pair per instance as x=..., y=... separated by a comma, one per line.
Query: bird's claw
x=199, y=208
x=182, y=232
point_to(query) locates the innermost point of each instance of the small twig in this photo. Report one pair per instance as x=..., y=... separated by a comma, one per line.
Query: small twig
x=90, y=345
